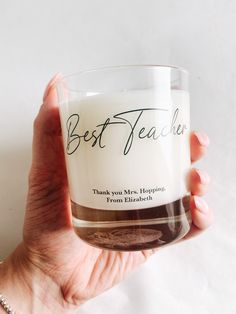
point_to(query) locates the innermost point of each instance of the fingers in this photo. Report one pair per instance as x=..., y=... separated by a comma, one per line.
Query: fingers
x=199, y=181
x=202, y=216
x=198, y=145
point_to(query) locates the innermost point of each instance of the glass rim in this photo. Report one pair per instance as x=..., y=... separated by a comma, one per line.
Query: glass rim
x=119, y=67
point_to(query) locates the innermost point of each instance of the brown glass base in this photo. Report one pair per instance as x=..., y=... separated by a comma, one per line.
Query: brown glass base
x=132, y=230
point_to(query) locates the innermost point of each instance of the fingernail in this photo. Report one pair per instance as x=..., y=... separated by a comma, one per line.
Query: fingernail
x=203, y=139
x=50, y=83
x=204, y=176
x=200, y=204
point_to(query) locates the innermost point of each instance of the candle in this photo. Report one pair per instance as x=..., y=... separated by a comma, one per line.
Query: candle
x=127, y=156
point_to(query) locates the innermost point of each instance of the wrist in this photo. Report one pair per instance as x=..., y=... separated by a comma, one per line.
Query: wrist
x=27, y=288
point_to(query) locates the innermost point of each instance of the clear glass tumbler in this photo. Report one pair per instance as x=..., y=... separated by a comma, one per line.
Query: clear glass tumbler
x=126, y=140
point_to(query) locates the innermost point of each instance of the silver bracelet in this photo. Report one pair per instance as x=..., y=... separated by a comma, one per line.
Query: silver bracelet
x=5, y=305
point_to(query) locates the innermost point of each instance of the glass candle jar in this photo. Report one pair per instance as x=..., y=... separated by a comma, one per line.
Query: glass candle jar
x=126, y=140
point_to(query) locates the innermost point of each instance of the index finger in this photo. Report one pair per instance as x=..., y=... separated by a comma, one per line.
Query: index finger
x=199, y=143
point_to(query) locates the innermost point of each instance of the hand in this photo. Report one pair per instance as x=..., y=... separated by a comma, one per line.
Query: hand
x=51, y=250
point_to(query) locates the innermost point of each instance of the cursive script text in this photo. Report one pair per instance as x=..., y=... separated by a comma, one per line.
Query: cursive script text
x=132, y=119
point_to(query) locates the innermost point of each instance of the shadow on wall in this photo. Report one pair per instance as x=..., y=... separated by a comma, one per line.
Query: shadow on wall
x=14, y=168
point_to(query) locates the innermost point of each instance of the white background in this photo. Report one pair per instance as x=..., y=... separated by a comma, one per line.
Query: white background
x=39, y=38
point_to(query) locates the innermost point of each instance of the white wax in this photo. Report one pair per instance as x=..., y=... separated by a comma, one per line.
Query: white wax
x=139, y=159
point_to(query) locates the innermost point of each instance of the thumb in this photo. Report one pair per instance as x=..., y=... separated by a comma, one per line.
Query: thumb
x=47, y=128
x=48, y=200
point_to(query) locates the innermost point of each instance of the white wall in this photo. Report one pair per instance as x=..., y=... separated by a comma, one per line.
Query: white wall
x=39, y=38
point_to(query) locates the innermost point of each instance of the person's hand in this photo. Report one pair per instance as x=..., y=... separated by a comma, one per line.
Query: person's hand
x=51, y=252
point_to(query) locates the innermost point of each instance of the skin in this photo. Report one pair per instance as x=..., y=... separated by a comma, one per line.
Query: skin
x=52, y=270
